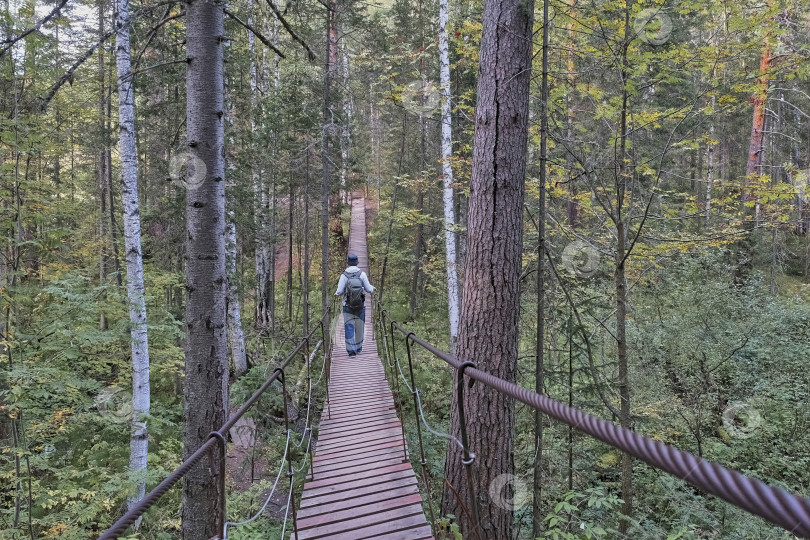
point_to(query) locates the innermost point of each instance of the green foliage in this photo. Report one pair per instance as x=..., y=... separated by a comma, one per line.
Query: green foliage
x=578, y=515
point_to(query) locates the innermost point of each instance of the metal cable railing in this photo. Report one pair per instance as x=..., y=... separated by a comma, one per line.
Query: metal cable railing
x=785, y=509
x=219, y=438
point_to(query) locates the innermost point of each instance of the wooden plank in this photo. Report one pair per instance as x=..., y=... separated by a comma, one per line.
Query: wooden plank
x=420, y=533
x=388, y=522
x=372, y=508
x=345, y=497
x=359, y=501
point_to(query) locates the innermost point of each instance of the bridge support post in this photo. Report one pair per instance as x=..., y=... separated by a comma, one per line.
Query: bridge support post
x=468, y=457
x=422, y=459
x=398, y=397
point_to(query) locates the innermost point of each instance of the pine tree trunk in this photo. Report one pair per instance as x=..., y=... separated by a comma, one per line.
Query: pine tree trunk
x=539, y=368
x=139, y=439
x=447, y=176
x=756, y=148
x=206, y=383
x=488, y=330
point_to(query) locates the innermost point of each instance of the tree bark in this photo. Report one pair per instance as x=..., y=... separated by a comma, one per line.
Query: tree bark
x=206, y=385
x=136, y=292
x=488, y=329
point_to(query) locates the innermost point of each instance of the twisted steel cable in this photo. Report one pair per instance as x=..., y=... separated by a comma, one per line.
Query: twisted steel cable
x=785, y=509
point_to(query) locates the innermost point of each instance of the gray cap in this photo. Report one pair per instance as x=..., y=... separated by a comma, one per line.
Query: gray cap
x=352, y=259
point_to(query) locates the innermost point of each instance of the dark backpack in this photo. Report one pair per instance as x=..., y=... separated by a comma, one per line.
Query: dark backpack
x=355, y=293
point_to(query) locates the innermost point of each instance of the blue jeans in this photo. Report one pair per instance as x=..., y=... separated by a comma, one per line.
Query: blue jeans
x=354, y=327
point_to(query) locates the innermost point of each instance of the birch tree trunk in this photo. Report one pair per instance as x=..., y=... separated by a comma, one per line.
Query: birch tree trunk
x=206, y=385
x=236, y=334
x=447, y=175
x=488, y=328
x=139, y=439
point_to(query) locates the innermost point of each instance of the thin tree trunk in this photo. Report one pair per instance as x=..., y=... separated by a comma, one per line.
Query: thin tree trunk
x=305, y=287
x=261, y=254
x=331, y=51
x=488, y=329
x=290, y=252
x=393, y=209
x=136, y=292
x=447, y=176
x=710, y=169
x=102, y=165
x=206, y=383
x=572, y=208
x=621, y=284
x=539, y=368
x=346, y=131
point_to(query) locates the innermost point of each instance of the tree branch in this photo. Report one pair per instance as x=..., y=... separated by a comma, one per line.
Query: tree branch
x=290, y=31
x=49, y=16
x=68, y=76
x=255, y=32
x=153, y=33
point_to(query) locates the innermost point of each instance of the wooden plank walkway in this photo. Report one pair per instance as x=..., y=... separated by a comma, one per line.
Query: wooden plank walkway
x=363, y=487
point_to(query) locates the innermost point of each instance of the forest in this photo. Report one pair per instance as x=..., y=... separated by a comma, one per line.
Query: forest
x=602, y=201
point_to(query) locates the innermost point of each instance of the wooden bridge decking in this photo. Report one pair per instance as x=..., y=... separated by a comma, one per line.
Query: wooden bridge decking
x=364, y=486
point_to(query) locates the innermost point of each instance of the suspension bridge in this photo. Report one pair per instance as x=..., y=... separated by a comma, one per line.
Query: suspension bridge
x=359, y=482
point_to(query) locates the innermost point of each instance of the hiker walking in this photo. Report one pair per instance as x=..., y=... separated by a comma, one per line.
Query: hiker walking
x=352, y=286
